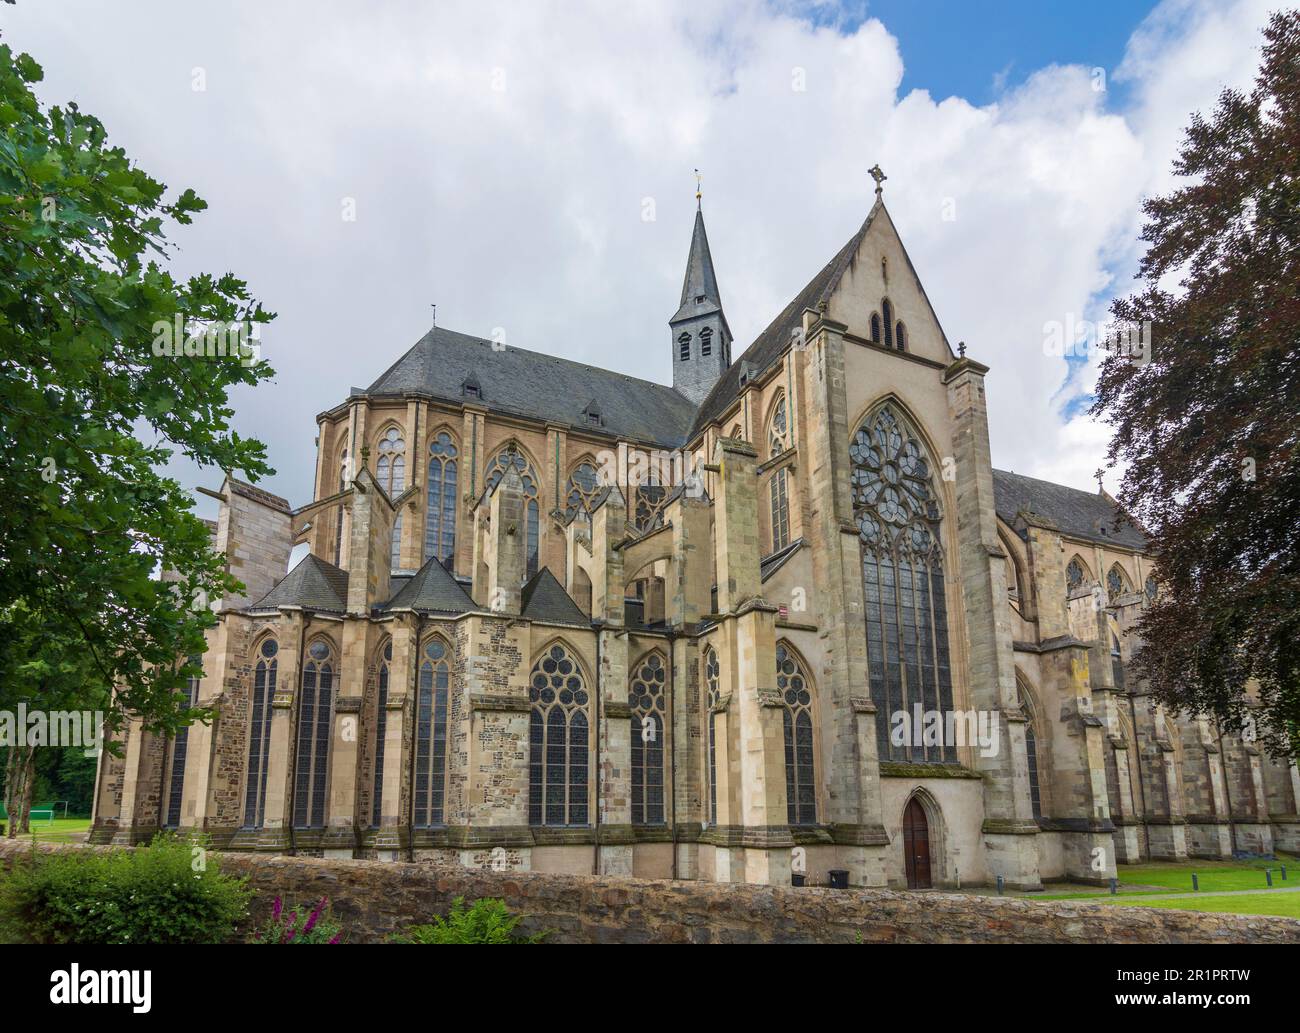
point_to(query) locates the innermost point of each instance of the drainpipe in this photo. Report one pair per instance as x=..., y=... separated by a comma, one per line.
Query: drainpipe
x=294, y=732
x=672, y=758
x=1137, y=759
x=415, y=718
x=600, y=705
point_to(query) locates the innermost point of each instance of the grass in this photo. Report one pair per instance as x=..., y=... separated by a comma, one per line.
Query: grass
x=61, y=831
x=1284, y=905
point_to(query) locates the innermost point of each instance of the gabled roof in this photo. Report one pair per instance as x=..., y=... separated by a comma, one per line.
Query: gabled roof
x=313, y=584
x=432, y=588
x=769, y=346
x=543, y=387
x=544, y=599
x=1077, y=514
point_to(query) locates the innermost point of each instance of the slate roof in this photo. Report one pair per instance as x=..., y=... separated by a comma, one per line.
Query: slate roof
x=544, y=599
x=313, y=584
x=432, y=588
x=540, y=386
x=700, y=280
x=1078, y=514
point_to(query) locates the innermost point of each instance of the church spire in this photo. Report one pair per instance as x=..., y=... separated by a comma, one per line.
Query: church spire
x=700, y=335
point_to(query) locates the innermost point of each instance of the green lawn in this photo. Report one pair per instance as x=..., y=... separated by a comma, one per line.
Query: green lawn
x=61, y=831
x=1285, y=905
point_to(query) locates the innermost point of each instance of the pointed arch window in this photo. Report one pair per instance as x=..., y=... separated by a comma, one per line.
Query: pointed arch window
x=433, y=701
x=390, y=471
x=875, y=328
x=338, y=529
x=651, y=501
x=581, y=491
x=259, y=733
x=1116, y=584
x=440, y=509
x=645, y=696
x=796, y=718
x=1031, y=755
x=778, y=488
x=887, y=317
x=381, y=732
x=1116, y=662
x=180, y=747
x=1152, y=589
x=898, y=518
x=558, y=761
x=496, y=469
x=1073, y=575
x=712, y=682
x=900, y=336
x=315, y=711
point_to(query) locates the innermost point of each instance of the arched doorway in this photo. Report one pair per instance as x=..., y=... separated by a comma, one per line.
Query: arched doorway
x=916, y=846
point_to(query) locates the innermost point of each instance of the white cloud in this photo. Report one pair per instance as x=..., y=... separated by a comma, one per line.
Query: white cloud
x=499, y=156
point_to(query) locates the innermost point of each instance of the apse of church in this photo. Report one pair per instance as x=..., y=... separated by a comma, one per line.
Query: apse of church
x=779, y=619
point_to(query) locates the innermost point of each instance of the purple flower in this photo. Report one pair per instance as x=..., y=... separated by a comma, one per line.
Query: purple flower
x=311, y=922
x=335, y=938
x=279, y=906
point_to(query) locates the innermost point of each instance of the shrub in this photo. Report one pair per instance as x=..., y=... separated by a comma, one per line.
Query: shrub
x=292, y=927
x=153, y=894
x=485, y=921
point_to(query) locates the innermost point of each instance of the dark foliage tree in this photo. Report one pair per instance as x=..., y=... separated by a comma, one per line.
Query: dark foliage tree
x=1208, y=430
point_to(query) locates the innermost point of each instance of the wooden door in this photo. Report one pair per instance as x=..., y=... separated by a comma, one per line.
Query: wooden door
x=916, y=846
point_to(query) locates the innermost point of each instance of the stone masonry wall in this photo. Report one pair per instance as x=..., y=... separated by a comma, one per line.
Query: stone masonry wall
x=373, y=900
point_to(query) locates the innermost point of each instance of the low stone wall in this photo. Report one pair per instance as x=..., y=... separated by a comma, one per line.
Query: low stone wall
x=374, y=899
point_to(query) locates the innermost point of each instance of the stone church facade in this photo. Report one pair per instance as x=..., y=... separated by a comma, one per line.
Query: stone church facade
x=559, y=619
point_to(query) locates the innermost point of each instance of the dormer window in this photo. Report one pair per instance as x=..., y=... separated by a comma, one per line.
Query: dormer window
x=699, y=299
x=593, y=419
x=471, y=391
x=684, y=341
x=470, y=388
x=591, y=415
x=706, y=341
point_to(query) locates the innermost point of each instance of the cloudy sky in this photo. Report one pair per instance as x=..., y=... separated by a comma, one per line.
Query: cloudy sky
x=504, y=160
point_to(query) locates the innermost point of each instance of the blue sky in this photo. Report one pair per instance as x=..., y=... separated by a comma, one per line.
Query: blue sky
x=973, y=48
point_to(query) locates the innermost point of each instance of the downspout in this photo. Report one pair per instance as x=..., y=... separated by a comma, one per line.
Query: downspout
x=672, y=759
x=415, y=717
x=600, y=787
x=294, y=733
x=1137, y=759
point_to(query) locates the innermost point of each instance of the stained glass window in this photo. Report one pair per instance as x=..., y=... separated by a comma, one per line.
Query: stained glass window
x=1116, y=584
x=1031, y=755
x=431, y=718
x=315, y=711
x=651, y=501
x=440, y=509
x=1073, y=574
x=496, y=469
x=1116, y=662
x=558, y=762
x=259, y=733
x=778, y=489
x=580, y=495
x=180, y=747
x=898, y=519
x=1152, y=589
x=712, y=681
x=390, y=471
x=645, y=696
x=796, y=718
x=381, y=732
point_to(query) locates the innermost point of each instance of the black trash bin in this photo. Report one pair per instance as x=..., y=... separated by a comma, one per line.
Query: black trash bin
x=798, y=879
x=839, y=878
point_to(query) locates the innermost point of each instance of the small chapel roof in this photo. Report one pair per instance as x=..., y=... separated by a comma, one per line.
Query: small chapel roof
x=432, y=588
x=1078, y=514
x=544, y=599
x=314, y=584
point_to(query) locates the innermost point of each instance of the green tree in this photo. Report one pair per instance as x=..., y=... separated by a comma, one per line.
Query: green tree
x=1208, y=430
x=90, y=413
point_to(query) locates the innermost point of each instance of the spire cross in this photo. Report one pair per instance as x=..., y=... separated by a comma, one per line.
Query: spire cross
x=875, y=173
x=698, y=188
x=1100, y=489
x=434, y=306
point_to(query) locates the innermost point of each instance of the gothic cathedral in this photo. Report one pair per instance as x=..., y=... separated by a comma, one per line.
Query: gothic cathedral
x=781, y=619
